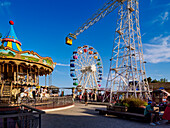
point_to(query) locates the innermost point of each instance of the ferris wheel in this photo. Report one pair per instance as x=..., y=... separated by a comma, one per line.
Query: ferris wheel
x=86, y=68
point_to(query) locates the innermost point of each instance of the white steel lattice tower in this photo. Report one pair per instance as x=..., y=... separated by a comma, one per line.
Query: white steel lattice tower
x=127, y=69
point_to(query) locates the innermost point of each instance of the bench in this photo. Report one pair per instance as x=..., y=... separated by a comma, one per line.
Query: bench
x=104, y=111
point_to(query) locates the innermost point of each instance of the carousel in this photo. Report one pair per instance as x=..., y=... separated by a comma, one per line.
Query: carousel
x=18, y=68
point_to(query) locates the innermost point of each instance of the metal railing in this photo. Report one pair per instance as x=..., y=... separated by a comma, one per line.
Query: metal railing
x=25, y=117
x=41, y=103
x=50, y=102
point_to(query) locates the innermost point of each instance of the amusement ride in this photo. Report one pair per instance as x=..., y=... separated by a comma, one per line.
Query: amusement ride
x=18, y=68
x=86, y=68
x=127, y=66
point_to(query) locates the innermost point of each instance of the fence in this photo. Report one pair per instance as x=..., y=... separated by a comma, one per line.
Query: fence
x=50, y=102
x=26, y=114
x=38, y=101
x=26, y=117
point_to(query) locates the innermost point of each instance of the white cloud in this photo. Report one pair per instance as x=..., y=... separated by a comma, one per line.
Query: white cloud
x=158, y=50
x=162, y=18
x=5, y=7
x=143, y=34
x=59, y=64
x=6, y=3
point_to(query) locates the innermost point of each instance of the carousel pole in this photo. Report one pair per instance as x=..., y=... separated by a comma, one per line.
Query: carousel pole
x=49, y=79
x=30, y=74
x=3, y=79
x=12, y=83
x=12, y=68
x=7, y=68
x=14, y=77
x=45, y=80
x=2, y=87
x=38, y=76
x=0, y=72
x=3, y=76
x=27, y=76
x=35, y=76
x=3, y=68
x=17, y=76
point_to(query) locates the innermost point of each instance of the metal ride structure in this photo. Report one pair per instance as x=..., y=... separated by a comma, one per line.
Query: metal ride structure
x=86, y=68
x=127, y=67
x=127, y=70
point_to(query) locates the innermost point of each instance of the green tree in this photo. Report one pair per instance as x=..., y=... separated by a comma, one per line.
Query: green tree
x=163, y=80
x=149, y=79
x=154, y=81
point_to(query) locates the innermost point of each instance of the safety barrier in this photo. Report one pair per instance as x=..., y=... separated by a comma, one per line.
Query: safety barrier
x=22, y=117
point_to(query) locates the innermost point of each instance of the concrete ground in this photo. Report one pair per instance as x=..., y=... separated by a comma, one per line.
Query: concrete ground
x=82, y=116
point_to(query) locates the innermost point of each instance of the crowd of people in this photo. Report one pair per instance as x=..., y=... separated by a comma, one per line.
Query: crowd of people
x=88, y=97
x=31, y=93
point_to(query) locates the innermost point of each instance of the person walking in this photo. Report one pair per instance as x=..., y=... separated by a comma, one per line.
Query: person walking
x=90, y=94
x=166, y=115
x=93, y=97
x=80, y=98
x=85, y=98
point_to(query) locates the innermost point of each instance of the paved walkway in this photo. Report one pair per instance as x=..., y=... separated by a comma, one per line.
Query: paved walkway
x=82, y=116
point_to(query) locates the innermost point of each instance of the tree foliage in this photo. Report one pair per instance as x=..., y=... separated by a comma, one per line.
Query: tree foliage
x=149, y=79
x=162, y=80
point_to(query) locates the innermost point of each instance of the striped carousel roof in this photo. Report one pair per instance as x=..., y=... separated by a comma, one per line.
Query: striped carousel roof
x=11, y=40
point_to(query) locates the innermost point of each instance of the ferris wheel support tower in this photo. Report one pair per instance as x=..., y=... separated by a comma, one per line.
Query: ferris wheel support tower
x=127, y=68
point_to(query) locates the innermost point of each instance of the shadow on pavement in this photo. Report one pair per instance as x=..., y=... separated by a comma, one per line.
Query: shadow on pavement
x=86, y=117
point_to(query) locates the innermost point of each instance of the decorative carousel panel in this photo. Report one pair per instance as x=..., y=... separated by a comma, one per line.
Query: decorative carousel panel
x=31, y=57
x=7, y=53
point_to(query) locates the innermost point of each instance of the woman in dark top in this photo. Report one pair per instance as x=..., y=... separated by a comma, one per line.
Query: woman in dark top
x=85, y=98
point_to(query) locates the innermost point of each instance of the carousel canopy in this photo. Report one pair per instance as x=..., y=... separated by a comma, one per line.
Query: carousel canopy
x=10, y=50
x=11, y=40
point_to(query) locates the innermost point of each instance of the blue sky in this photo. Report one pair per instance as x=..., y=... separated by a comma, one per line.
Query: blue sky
x=42, y=26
